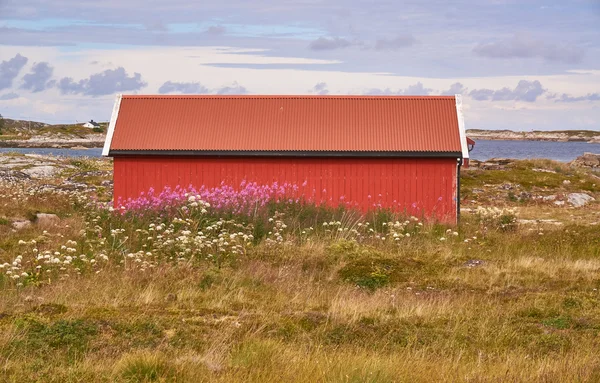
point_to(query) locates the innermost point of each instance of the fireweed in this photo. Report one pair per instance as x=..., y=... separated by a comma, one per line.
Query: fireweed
x=190, y=227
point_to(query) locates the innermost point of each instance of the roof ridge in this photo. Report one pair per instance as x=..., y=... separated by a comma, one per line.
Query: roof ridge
x=288, y=96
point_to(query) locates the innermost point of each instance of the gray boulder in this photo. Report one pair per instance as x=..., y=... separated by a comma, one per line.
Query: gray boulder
x=21, y=224
x=579, y=199
x=44, y=219
x=43, y=171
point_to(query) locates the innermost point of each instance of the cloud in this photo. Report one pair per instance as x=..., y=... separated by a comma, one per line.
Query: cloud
x=235, y=88
x=401, y=41
x=525, y=47
x=39, y=78
x=9, y=96
x=197, y=88
x=588, y=97
x=216, y=30
x=456, y=88
x=320, y=88
x=525, y=90
x=413, y=90
x=417, y=90
x=183, y=87
x=329, y=44
x=104, y=83
x=9, y=70
x=481, y=94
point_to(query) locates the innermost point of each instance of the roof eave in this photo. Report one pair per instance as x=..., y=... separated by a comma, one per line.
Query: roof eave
x=285, y=153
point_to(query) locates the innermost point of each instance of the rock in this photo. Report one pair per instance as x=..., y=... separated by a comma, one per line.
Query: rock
x=559, y=203
x=566, y=182
x=43, y=171
x=91, y=173
x=21, y=224
x=478, y=191
x=508, y=187
x=502, y=161
x=579, y=199
x=488, y=165
x=543, y=170
x=474, y=263
x=589, y=160
x=539, y=222
x=525, y=195
x=549, y=198
x=44, y=219
x=13, y=175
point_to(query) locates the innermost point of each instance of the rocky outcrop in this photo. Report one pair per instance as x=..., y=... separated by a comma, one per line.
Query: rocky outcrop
x=580, y=199
x=13, y=175
x=588, y=160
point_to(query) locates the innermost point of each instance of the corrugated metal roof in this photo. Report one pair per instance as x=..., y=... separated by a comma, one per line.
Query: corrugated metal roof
x=287, y=123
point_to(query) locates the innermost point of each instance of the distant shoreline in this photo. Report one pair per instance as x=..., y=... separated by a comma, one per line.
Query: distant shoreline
x=589, y=136
x=97, y=141
x=75, y=144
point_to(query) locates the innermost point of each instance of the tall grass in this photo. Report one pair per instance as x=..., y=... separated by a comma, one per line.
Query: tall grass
x=300, y=293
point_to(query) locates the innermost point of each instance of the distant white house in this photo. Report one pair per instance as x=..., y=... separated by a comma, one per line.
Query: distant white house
x=91, y=124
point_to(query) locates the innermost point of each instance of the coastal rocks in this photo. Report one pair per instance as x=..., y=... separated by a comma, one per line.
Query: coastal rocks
x=43, y=171
x=89, y=174
x=589, y=160
x=579, y=199
x=493, y=164
x=13, y=175
x=32, y=165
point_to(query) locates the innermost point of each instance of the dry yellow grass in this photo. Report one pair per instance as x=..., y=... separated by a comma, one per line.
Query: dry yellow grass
x=528, y=311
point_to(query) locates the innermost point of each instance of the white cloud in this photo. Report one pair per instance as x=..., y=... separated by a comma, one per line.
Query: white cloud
x=194, y=65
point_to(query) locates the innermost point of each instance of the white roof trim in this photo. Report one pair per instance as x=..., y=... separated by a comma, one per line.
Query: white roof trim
x=111, y=126
x=461, y=127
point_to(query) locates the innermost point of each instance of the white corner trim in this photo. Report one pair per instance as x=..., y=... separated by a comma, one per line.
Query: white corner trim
x=111, y=126
x=461, y=127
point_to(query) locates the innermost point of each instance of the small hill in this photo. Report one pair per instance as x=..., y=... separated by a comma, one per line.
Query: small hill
x=23, y=133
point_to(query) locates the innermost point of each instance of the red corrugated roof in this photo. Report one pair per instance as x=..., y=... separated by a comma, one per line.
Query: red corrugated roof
x=287, y=123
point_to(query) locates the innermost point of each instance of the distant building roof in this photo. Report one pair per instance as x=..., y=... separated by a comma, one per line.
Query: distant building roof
x=287, y=124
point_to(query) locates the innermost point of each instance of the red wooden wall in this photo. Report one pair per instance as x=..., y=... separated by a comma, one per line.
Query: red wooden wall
x=420, y=186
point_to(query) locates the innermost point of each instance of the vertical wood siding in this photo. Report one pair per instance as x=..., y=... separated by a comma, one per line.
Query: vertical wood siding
x=419, y=186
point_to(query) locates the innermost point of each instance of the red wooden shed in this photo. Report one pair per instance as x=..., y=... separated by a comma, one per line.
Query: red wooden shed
x=399, y=152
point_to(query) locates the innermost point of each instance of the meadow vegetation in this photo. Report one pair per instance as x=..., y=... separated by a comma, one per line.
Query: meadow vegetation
x=251, y=285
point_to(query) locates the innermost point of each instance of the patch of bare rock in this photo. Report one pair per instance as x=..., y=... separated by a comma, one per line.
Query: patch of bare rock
x=587, y=160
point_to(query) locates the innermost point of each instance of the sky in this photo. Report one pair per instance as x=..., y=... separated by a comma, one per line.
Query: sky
x=519, y=64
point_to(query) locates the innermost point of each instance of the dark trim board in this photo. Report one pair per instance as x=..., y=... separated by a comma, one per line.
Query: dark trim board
x=247, y=153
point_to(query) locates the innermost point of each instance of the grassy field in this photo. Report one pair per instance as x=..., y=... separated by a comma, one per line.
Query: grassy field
x=296, y=293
